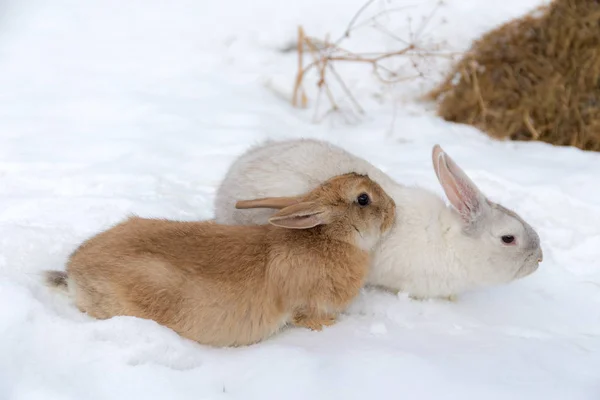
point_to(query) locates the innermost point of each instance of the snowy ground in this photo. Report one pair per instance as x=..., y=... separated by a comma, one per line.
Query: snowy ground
x=110, y=107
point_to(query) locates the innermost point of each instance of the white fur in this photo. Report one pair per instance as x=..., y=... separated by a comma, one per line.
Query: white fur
x=432, y=250
x=367, y=240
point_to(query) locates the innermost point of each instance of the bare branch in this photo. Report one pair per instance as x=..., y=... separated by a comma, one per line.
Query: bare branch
x=326, y=55
x=354, y=18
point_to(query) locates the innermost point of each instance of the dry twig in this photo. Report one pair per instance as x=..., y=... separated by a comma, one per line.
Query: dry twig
x=326, y=55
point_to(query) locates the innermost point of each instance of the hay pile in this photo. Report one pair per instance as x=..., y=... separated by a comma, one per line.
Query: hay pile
x=534, y=78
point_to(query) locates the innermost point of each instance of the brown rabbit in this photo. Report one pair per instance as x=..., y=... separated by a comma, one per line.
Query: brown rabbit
x=226, y=285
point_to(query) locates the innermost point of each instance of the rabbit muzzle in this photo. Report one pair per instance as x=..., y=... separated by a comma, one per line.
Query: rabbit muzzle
x=530, y=265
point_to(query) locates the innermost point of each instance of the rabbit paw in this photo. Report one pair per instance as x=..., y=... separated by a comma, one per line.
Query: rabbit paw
x=452, y=298
x=313, y=322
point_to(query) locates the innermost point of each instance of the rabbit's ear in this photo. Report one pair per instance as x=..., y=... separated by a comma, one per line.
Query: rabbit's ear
x=462, y=193
x=301, y=216
x=268, y=202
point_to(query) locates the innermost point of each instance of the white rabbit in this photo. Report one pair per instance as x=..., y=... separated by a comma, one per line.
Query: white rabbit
x=433, y=250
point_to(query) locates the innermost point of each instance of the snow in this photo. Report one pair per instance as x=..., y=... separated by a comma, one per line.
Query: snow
x=110, y=107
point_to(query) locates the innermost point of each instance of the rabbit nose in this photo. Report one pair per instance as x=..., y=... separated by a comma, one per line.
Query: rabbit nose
x=540, y=256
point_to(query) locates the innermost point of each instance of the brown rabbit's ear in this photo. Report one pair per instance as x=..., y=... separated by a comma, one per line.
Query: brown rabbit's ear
x=268, y=202
x=301, y=216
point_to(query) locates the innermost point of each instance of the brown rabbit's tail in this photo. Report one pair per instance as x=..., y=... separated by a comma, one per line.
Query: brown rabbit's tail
x=57, y=280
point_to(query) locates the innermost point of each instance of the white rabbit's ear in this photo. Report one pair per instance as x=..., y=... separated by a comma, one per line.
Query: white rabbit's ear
x=462, y=193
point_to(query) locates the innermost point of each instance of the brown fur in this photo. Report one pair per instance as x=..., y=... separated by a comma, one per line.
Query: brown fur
x=234, y=285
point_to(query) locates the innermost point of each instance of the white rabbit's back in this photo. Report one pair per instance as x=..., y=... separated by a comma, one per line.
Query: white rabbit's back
x=286, y=168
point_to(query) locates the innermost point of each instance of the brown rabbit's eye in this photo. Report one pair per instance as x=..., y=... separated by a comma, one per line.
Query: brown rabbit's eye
x=363, y=199
x=508, y=239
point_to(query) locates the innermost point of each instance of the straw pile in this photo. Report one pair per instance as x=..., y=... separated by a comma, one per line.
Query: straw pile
x=534, y=78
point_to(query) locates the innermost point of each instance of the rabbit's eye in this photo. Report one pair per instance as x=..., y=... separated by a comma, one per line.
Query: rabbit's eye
x=508, y=239
x=363, y=199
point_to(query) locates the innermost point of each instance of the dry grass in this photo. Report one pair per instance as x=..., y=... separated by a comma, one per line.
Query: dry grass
x=322, y=57
x=534, y=78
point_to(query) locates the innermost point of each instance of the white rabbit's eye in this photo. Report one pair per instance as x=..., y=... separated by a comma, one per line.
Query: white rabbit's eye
x=508, y=239
x=363, y=199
